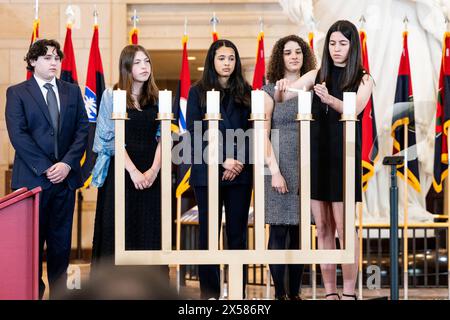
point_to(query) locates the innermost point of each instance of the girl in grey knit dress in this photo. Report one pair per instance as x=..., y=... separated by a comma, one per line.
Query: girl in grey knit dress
x=291, y=57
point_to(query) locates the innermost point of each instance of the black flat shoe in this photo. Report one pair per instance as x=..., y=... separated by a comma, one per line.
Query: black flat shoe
x=333, y=294
x=295, y=297
x=350, y=296
x=282, y=297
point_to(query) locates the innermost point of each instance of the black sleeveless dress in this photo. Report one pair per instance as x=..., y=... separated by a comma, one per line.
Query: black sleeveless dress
x=142, y=207
x=327, y=147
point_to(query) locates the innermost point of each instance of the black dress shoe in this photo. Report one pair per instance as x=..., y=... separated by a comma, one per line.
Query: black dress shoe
x=282, y=297
x=295, y=297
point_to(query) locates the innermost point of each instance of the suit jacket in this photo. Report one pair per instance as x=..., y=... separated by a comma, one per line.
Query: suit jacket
x=234, y=116
x=31, y=133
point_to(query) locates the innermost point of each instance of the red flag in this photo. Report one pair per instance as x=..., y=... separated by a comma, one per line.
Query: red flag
x=95, y=85
x=369, y=127
x=134, y=35
x=311, y=41
x=403, y=114
x=215, y=36
x=183, y=89
x=442, y=118
x=34, y=37
x=183, y=170
x=260, y=66
x=69, y=67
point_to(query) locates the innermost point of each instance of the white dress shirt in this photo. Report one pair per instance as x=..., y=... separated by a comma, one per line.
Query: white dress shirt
x=41, y=84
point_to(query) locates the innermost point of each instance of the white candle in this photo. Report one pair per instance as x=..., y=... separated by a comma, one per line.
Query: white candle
x=213, y=102
x=119, y=101
x=165, y=101
x=257, y=101
x=304, y=102
x=349, y=103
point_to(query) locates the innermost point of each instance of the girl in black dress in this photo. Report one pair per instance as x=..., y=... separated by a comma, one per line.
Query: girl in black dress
x=142, y=162
x=222, y=72
x=341, y=70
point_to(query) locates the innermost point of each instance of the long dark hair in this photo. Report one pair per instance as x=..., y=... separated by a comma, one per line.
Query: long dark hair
x=149, y=93
x=276, y=67
x=354, y=70
x=239, y=88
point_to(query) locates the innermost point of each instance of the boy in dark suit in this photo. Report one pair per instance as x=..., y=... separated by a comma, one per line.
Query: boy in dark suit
x=48, y=127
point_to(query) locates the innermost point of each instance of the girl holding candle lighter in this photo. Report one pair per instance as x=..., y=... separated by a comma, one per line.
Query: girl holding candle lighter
x=341, y=71
x=231, y=98
x=135, y=93
x=291, y=57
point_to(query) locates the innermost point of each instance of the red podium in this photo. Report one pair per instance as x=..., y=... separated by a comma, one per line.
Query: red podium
x=19, y=244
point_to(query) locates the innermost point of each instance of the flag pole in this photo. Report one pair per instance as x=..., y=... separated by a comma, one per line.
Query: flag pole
x=133, y=34
x=311, y=34
x=95, y=14
x=405, y=202
x=70, y=16
x=178, y=241
x=135, y=19
x=267, y=226
x=214, y=21
x=362, y=22
x=70, y=20
x=36, y=10
x=447, y=185
x=178, y=244
x=447, y=190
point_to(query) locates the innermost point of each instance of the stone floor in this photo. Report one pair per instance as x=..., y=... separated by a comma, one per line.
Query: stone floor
x=191, y=289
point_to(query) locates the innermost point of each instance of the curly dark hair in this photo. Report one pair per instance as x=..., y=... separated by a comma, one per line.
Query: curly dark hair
x=276, y=66
x=39, y=49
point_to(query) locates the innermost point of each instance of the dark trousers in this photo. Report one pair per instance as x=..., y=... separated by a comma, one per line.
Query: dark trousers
x=285, y=237
x=236, y=199
x=55, y=229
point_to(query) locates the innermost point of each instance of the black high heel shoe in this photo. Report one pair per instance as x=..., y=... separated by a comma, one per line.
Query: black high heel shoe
x=350, y=296
x=333, y=294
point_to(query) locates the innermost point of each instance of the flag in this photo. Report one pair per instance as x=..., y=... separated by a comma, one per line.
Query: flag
x=183, y=89
x=260, y=67
x=68, y=66
x=134, y=36
x=95, y=85
x=311, y=41
x=34, y=37
x=215, y=36
x=403, y=114
x=440, y=171
x=180, y=103
x=369, y=127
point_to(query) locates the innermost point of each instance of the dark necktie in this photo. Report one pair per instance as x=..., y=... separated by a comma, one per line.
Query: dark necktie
x=54, y=113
